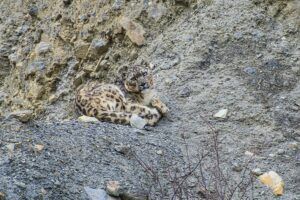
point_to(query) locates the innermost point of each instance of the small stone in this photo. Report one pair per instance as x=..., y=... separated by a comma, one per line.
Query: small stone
x=81, y=49
x=168, y=81
x=96, y=194
x=237, y=167
x=134, y=31
x=121, y=148
x=257, y=172
x=159, y=152
x=248, y=153
x=272, y=155
x=137, y=122
x=104, y=64
x=250, y=70
x=35, y=67
x=113, y=188
x=2, y=196
x=38, y=147
x=99, y=46
x=272, y=64
x=87, y=119
x=13, y=58
x=21, y=185
x=33, y=11
x=221, y=114
x=274, y=181
x=185, y=92
x=42, y=48
x=280, y=151
x=156, y=11
x=79, y=78
x=23, y=115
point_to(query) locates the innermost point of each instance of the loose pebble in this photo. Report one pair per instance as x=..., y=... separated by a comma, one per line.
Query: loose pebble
x=221, y=114
x=87, y=119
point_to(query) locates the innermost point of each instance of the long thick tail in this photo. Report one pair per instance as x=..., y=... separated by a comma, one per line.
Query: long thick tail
x=114, y=117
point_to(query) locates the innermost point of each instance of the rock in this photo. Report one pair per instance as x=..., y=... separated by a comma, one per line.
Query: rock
x=38, y=147
x=13, y=58
x=23, y=115
x=250, y=71
x=121, y=148
x=33, y=11
x=237, y=167
x=79, y=78
x=134, y=31
x=248, y=153
x=35, y=67
x=81, y=49
x=42, y=48
x=104, y=64
x=272, y=64
x=296, y=69
x=2, y=196
x=257, y=172
x=99, y=46
x=113, y=188
x=159, y=152
x=221, y=114
x=96, y=194
x=87, y=119
x=21, y=185
x=272, y=155
x=137, y=122
x=274, y=181
x=185, y=92
x=157, y=10
x=280, y=151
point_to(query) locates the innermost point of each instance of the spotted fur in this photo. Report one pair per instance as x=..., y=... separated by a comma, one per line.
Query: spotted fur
x=108, y=103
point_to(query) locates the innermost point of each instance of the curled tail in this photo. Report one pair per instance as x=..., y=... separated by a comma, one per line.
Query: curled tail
x=114, y=117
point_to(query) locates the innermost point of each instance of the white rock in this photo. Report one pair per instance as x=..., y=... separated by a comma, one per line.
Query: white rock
x=87, y=119
x=221, y=113
x=257, y=172
x=113, y=188
x=137, y=122
x=248, y=153
x=39, y=147
x=159, y=152
x=96, y=194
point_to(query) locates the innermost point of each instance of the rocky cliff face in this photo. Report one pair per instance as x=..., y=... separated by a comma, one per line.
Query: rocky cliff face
x=49, y=48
